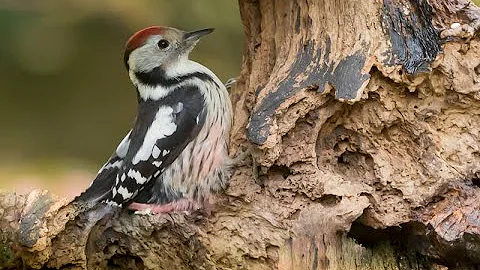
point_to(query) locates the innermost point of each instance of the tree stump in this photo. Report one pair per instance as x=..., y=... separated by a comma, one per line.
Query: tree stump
x=363, y=121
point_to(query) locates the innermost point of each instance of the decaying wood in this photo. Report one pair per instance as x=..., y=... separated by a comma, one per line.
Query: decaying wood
x=363, y=122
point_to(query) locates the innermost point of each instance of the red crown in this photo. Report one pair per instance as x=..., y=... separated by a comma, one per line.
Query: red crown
x=137, y=39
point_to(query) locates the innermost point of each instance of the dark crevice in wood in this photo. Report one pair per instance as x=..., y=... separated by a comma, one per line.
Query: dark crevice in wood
x=282, y=170
x=476, y=181
x=124, y=261
x=422, y=239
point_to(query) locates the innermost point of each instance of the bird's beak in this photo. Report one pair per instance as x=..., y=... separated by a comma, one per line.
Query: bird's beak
x=192, y=37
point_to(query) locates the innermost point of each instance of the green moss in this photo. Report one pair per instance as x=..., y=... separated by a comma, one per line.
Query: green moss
x=6, y=254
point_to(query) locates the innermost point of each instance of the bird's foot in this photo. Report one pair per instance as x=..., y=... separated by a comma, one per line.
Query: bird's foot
x=144, y=212
x=182, y=205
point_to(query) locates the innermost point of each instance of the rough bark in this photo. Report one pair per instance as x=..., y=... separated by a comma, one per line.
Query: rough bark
x=363, y=120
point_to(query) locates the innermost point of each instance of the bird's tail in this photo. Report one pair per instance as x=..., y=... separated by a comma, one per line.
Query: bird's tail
x=90, y=204
x=89, y=217
x=97, y=192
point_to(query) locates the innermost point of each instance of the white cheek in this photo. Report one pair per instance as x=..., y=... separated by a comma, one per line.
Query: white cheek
x=146, y=58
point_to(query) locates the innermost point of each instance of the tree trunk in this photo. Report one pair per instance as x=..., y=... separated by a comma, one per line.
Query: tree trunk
x=363, y=121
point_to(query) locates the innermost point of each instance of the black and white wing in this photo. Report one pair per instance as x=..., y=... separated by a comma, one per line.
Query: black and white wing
x=163, y=129
x=105, y=179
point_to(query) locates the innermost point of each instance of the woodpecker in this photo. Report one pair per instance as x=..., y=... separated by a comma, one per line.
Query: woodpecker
x=176, y=153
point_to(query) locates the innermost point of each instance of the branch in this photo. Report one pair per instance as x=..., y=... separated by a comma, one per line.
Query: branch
x=43, y=231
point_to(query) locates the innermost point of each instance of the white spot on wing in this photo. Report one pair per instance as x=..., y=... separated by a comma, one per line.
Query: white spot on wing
x=156, y=174
x=122, y=148
x=178, y=108
x=155, y=151
x=112, y=203
x=123, y=177
x=137, y=176
x=124, y=192
x=165, y=152
x=157, y=163
x=114, y=191
x=161, y=127
x=107, y=166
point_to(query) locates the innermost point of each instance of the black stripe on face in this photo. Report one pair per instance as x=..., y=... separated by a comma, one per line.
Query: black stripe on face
x=158, y=77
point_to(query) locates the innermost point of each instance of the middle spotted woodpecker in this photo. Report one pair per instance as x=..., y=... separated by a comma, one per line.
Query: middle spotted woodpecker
x=176, y=153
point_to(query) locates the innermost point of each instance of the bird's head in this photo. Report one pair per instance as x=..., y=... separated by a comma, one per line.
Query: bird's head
x=159, y=46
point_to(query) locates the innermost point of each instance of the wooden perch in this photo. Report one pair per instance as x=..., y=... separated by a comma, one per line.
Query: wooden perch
x=41, y=231
x=362, y=119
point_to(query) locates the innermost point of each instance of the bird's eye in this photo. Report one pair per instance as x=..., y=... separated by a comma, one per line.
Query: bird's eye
x=163, y=44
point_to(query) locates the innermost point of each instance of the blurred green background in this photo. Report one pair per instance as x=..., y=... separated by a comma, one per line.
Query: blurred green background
x=65, y=98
